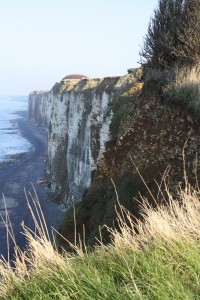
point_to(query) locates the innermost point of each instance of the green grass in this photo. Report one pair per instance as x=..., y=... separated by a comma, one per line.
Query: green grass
x=161, y=271
x=161, y=261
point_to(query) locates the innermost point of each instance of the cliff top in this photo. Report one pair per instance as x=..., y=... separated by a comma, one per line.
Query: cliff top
x=74, y=76
x=79, y=82
x=40, y=92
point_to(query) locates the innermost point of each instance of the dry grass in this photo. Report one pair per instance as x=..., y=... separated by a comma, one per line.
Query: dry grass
x=40, y=255
x=184, y=89
x=177, y=218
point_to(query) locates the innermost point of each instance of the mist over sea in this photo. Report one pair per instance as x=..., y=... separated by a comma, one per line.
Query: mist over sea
x=12, y=143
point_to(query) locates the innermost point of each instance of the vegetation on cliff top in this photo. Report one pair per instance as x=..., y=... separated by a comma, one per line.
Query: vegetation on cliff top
x=171, y=52
x=173, y=36
x=157, y=258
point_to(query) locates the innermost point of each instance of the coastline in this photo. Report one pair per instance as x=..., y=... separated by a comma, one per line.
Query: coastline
x=22, y=174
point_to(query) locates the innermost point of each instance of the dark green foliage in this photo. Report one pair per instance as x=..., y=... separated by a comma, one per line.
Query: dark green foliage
x=114, y=127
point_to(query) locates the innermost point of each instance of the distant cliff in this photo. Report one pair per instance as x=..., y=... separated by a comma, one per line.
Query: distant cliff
x=78, y=114
x=39, y=108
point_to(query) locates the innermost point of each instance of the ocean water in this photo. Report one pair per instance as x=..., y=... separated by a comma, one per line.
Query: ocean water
x=11, y=141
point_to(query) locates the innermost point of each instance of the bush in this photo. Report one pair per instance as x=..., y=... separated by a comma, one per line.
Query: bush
x=173, y=35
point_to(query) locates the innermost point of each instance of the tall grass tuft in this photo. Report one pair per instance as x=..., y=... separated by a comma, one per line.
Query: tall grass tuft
x=184, y=89
x=153, y=258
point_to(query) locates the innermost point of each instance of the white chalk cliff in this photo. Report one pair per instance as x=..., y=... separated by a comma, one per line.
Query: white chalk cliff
x=77, y=114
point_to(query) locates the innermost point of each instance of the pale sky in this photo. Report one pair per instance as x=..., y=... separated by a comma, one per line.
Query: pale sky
x=41, y=41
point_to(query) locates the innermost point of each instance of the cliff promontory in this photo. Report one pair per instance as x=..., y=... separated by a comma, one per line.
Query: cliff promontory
x=78, y=113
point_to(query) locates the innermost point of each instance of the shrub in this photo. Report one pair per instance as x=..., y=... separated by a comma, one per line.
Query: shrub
x=173, y=35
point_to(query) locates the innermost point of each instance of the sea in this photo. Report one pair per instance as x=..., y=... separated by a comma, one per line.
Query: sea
x=21, y=165
x=12, y=143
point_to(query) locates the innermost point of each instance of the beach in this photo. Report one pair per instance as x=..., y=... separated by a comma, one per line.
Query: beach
x=20, y=175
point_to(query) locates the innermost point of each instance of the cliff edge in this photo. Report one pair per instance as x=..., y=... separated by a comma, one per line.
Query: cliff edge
x=78, y=113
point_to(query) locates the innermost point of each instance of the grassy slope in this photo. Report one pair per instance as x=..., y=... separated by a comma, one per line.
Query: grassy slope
x=168, y=271
x=160, y=262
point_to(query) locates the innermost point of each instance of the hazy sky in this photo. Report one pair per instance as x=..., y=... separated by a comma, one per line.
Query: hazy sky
x=41, y=41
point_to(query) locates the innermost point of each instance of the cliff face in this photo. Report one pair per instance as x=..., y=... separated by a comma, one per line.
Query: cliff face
x=77, y=113
x=137, y=124
x=154, y=136
x=162, y=140
x=39, y=108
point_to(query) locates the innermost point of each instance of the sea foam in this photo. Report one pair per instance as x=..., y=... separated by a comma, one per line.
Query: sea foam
x=11, y=141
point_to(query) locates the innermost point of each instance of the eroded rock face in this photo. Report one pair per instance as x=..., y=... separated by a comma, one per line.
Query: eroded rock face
x=77, y=113
x=156, y=137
